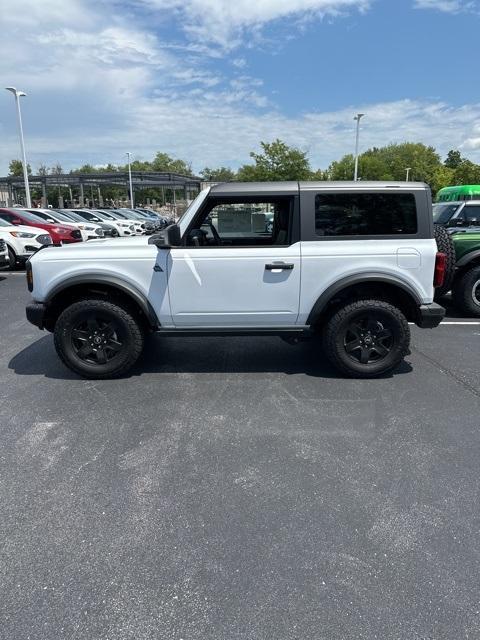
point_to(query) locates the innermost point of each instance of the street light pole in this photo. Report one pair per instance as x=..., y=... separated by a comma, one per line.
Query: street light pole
x=408, y=169
x=358, y=117
x=132, y=204
x=17, y=95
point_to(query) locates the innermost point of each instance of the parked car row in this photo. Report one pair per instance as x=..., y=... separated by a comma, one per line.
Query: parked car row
x=24, y=231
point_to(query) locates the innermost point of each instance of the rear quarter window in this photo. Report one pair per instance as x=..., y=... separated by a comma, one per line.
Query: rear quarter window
x=365, y=214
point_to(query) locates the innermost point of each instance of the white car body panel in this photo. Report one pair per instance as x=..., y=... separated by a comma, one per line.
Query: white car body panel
x=325, y=263
x=18, y=244
x=228, y=287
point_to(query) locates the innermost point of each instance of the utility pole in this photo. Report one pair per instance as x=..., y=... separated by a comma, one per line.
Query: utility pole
x=18, y=94
x=358, y=117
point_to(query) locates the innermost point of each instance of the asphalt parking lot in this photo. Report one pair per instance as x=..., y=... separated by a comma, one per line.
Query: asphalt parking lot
x=238, y=489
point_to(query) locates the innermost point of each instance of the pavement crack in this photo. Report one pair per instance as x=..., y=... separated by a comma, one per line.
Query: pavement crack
x=448, y=372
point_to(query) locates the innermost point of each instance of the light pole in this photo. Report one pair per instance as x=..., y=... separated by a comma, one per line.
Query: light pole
x=17, y=95
x=132, y=204
x=358, y=117
x=408, y=169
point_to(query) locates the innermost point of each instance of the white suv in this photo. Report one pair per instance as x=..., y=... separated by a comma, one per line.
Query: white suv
x=351, y=262
x=22, y=241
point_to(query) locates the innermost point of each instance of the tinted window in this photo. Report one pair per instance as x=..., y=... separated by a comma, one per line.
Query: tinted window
x=443, y=212
x=365, y=214
x=472, y=213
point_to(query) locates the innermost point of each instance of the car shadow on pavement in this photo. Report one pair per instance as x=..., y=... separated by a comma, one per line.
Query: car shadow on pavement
x=224, y=355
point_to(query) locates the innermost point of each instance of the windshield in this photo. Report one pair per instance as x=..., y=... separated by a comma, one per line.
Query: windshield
x=46, y=217
x=69, y=215
x=443, y=212
x=4, y=223
x=30, y=217
x=86, y=215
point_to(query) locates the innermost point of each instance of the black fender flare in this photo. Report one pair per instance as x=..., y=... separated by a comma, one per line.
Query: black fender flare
x=117, y=283
x=356, y=279
x=468, y=257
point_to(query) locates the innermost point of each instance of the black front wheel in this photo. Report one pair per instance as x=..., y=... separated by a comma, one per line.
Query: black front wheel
x=366, y=338
x=98, y=339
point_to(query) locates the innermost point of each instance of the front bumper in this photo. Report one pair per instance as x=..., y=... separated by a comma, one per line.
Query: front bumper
x=35, y=312
x=430, y=315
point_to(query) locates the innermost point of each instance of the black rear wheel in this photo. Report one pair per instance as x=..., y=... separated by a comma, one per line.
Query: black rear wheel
x=466, y=292
x=98, y=339
x=366, y=338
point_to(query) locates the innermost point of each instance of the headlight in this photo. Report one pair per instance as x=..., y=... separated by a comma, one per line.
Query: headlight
x=21, y=234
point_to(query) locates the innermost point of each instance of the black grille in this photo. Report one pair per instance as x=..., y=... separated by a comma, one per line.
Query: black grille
x=45, y=238
x=76, y=233
x=2, y=246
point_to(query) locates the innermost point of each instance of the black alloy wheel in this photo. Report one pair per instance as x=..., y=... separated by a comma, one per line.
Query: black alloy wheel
x=96, y=339
x=368, y=338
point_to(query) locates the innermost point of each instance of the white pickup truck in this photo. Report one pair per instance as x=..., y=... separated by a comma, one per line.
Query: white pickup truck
x=351, y=262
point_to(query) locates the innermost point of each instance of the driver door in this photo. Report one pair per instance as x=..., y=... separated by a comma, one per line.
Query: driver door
x=240, y=271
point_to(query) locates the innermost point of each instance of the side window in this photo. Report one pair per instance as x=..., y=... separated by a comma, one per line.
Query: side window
x=365, y=214
x=7, y=216
x=472, y=214
x=252, y=223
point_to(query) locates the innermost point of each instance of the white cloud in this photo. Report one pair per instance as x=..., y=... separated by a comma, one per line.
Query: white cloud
x=446, y=6
x=227, y=23
x=99, y=83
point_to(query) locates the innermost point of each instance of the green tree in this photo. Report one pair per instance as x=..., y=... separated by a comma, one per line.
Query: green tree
x=277, y=162
x=443, y=177
x=454, y=159
x=467, y=172
x=390, y=163
x=164, y=162
x=15, y=168
x=222, y=174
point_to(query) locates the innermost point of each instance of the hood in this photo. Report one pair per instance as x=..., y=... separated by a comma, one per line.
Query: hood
x=93, y=249
x=22, y=228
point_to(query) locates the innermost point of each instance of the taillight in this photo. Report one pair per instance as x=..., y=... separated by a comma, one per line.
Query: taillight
x=440, y=269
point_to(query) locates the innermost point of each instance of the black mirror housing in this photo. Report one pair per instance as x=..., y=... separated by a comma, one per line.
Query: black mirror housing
x=167, y=238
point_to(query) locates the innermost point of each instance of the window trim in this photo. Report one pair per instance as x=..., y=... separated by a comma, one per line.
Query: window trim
x=422, y=201
x=294, y=231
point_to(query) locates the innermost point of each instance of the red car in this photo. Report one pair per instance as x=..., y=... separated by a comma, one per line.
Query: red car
x=61, y=233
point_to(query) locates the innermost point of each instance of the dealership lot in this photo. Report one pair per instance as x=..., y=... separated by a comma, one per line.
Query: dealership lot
x=237, y=488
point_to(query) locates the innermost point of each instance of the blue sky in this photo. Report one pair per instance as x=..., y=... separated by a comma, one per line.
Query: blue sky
x=206, y=80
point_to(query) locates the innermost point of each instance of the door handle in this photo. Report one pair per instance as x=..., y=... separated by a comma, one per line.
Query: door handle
x=279, y=266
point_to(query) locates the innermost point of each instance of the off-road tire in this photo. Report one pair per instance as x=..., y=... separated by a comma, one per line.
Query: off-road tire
x=383, y=313
x=446, y=246
x=466, y=292
x=127, y=328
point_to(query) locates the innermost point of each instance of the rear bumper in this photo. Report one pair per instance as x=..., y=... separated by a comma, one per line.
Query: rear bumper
x=35, y=312
x=430, y=315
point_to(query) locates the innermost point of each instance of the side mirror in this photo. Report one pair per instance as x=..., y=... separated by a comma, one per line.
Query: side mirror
x=167, y=238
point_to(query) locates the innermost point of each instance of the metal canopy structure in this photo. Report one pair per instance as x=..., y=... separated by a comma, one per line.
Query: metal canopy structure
x=190, y=185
